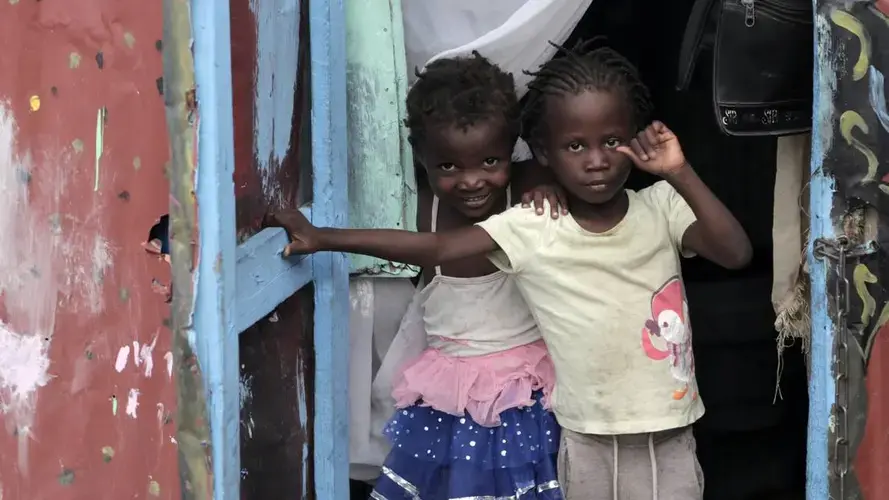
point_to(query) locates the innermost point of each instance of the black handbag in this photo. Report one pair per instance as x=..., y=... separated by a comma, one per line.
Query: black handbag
x=763, y=52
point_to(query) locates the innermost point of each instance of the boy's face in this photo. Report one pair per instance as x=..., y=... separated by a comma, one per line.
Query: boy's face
x=580, y=137
x=468, y=168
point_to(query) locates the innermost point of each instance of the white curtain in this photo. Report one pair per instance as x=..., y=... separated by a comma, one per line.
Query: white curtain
x=515, y=34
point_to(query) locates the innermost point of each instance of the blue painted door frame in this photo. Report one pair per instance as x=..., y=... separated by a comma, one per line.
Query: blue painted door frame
x=235, y=286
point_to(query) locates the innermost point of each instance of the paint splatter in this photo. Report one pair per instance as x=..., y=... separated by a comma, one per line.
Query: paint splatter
x=114, y=405
x=100, y=60
x=77, y=144
x=132, y=403
x=30, y=275
x=74, y=60
x=107, y=453
x=24, y=365
x=154, y=488
x=34, y=102
x=137, y=163
x=129, y=39
x=123, y=355
x=66, y=477
x=100, y=142
x=13, y=2
x=168, y=357
x=144, y=355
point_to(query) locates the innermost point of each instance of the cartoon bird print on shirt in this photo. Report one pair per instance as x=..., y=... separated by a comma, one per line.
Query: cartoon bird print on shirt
x=669, y=322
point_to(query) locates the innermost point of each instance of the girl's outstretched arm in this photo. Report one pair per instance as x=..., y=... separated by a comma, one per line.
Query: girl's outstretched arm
x=420, y=249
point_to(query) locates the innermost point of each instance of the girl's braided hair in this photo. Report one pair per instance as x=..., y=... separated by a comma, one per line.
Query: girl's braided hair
x=581, y=68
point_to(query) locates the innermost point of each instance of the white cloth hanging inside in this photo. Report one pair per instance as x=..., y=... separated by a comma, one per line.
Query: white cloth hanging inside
x=514, y=34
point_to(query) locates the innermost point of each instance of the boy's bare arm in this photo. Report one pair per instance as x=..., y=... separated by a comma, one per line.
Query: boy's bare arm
x=421, y=249
x=716, y=235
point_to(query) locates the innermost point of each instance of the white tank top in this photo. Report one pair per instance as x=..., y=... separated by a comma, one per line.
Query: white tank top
x=478, y=315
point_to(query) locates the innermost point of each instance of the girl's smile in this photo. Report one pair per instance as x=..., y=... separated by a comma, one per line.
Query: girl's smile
x=469, y=166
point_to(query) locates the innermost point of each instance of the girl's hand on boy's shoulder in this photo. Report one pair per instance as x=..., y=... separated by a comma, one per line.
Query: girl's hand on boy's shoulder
x=656, y=150
x=303, y=235
x=552, y=193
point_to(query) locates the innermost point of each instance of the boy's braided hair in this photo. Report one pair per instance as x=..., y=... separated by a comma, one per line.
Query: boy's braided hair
x=461, y=91
x=573, y=71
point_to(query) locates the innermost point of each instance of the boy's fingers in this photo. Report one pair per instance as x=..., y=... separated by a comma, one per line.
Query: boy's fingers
x=626, y=150
x=638, y=150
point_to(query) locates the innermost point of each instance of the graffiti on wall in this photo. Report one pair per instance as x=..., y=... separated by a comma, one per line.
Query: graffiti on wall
x=859, y=33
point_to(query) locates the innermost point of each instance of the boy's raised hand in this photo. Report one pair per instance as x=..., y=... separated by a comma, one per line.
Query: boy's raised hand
x=303, y=235
x=656, y=150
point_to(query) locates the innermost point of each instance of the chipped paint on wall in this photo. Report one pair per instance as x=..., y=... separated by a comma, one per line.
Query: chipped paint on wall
x=132, y=403
x=144, y=355
x=27, y=289
x=123, y=356
x=24, y=368
x=277, y=28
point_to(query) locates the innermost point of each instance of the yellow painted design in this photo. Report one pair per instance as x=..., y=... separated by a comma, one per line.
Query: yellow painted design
x=73, y=60
x=848, y=22
x=850, y=120
x=114, y=405
x=154, y=488
x=107, y=453
x=129, y=39
x=35, y=102
x=137, y=163
x=77, y=144
x=861, y=276
x=13, y=2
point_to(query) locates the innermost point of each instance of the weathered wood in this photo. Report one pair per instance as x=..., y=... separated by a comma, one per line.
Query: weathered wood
x=192, y=431
x=330, y=270
x=264, y=278
x=216, y=338
x=382, y=188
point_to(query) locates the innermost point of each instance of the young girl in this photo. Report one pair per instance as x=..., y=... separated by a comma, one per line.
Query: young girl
x=473, y=418
x=603, y=282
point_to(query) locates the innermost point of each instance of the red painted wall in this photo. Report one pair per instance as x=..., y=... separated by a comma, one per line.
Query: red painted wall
x=86, y=398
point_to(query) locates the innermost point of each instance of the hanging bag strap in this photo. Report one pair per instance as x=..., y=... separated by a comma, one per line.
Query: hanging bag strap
x=700, y=21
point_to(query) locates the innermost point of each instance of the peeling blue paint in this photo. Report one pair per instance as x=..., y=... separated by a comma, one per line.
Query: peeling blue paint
x=264, y=280
x=277, y=27
x=330, y=270
x=822, y=389
x=217, y=340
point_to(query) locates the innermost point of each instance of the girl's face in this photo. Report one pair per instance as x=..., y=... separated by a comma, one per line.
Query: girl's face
x=469, y=167
x=580, y=137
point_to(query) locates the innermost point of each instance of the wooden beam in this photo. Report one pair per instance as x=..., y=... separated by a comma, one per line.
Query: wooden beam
x=214, y=335
x=330, y=270
x=265, y=279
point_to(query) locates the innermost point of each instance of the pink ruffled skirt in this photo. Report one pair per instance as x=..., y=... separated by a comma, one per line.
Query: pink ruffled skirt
x=482, y=386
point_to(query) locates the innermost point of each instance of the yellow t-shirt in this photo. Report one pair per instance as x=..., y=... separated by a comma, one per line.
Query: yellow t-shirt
x=611, y=307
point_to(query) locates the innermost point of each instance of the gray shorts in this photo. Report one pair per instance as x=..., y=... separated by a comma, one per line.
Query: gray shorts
x=656, y=466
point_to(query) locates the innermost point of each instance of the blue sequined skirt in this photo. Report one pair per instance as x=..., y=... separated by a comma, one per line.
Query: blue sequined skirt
x=437, y=456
